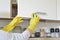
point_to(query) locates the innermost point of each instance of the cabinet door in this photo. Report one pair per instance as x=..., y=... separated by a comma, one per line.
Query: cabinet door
x=46, y=9
x=5, y=8
x=58, y=9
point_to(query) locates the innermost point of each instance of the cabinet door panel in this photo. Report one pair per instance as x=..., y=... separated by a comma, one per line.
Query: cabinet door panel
x=45, y=7
x=5, y=8
x=58, y=9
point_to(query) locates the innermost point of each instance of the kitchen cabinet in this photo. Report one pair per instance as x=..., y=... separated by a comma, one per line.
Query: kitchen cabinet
x=58, y=9
x=8, y=8
x=5, y=8
x=46, y=9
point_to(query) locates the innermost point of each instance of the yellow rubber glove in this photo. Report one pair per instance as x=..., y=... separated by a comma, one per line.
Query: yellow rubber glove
x=33, y=22
x=12, y=24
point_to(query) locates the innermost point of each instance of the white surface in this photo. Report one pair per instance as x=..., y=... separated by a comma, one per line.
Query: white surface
x=4, y=35
x=58, y=9
x=5, y=8
x=26, y=7
x=14, y=36
x=47, y=30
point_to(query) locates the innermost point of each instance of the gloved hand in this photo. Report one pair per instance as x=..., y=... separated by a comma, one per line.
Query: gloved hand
x=12, y=24
x=33, y=22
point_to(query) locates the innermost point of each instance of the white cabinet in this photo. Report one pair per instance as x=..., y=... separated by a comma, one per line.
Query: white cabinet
x=47, y=8
x=5, y=8
x=58, y=9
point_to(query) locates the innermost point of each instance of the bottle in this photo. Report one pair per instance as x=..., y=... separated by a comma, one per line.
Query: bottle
x=52, y=31
x=42, y=32
x=47, y=32
x=57, y=32
x=37, y=33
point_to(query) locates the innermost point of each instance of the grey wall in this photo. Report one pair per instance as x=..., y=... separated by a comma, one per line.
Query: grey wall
x=26, y=24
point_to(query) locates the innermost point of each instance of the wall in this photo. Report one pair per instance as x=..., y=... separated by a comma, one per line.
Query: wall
x=26, y=24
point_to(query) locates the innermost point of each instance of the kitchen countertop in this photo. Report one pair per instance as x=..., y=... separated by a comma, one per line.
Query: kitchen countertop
x=44, y=39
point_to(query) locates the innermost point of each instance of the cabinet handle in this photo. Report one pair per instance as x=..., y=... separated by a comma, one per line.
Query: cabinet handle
x=41, y=13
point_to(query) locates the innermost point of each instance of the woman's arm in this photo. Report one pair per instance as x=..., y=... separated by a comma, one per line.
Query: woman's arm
x=33, y=22
x=12, y=24
x=26, y=34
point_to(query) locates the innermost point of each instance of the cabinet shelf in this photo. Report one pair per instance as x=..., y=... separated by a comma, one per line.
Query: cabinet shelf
x=28, y=19
x=6, y=18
